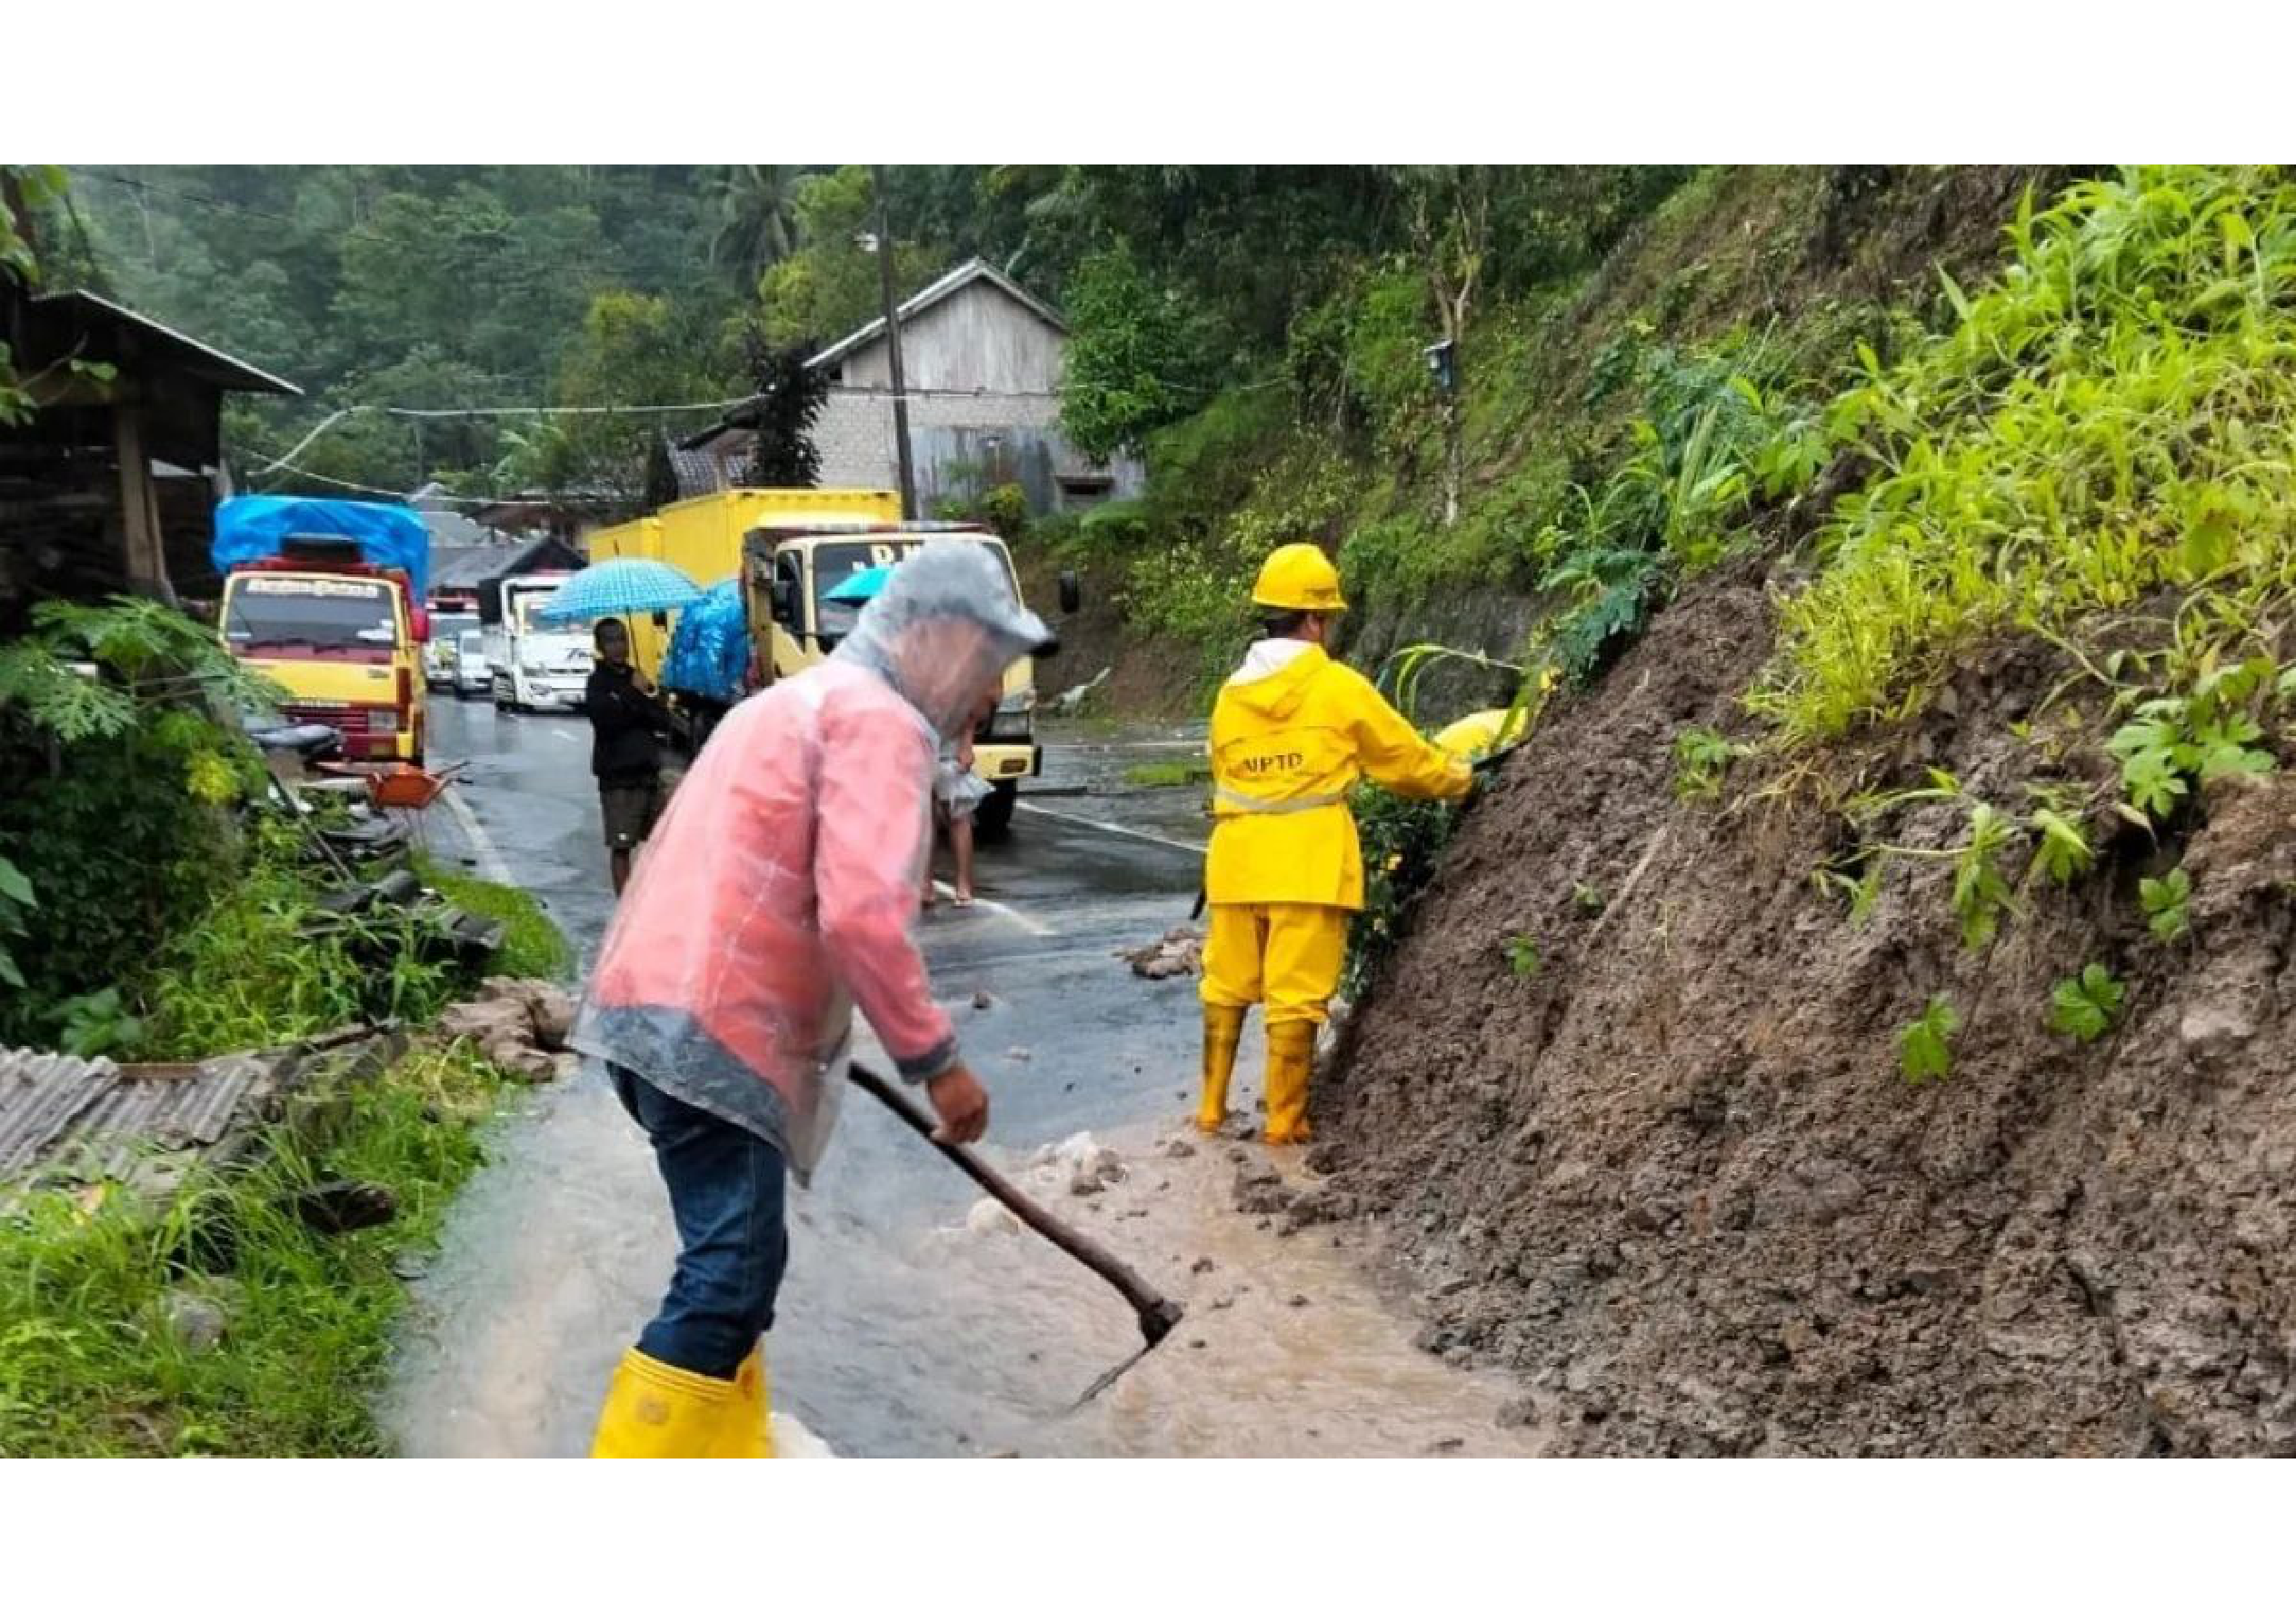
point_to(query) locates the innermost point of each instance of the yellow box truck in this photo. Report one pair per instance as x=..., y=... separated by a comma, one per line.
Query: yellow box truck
x=703, y=536
x=789, y=569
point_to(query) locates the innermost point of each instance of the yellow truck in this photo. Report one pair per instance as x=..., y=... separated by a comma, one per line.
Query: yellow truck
x=703, y=536
x=324, y=598
x=787, y=571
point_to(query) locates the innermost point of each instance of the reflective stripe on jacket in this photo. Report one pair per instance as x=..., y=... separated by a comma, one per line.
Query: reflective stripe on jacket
x=1287, y=747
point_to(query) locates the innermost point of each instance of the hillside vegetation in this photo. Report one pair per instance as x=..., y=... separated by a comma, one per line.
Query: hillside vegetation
x=1914, y=1080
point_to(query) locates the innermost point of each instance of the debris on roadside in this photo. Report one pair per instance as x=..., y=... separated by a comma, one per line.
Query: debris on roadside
x=1180, y=953
x=990, y=1216
x=1079, y=1162
x=95, y=1123
x=1072, y=700
x=520, y=1026
x=340, y=1205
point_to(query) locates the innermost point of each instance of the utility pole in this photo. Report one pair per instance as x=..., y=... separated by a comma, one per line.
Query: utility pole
x=893, y=346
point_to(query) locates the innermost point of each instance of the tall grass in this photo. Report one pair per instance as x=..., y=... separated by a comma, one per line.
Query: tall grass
x=533, y=946
x=90, y=1361
x=2115, y=418
x=264, y=966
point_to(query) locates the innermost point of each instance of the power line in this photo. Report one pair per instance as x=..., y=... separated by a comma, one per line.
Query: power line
x=376, y=490
x=200, y=198
x=561, y=411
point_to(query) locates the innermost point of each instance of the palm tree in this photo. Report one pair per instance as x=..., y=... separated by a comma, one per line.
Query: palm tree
x=756, y=218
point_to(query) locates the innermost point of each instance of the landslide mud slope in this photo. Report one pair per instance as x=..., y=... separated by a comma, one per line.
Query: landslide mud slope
x=1674, y=1178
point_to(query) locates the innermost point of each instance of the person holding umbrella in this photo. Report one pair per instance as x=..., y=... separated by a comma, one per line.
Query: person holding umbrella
x=778, y=897
x=626, y=719
x=626, y=722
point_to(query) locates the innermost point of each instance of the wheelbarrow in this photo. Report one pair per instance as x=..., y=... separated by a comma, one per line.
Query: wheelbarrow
x=398, y=788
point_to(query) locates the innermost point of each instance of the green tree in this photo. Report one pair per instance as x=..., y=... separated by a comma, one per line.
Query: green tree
x=632, y=349
x=829, y=285
x=756, y=219
x=1135, y=361
x=23, y=187
x=790, y=395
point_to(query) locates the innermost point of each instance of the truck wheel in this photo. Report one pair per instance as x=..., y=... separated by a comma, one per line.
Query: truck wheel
x=992, y=818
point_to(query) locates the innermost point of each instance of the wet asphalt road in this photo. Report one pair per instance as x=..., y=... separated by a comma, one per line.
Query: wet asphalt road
x=556, y=1254
x=1056, y=900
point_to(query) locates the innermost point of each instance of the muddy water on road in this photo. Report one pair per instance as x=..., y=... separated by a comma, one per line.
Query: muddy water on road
x=928, y=1335
x=904, y=1329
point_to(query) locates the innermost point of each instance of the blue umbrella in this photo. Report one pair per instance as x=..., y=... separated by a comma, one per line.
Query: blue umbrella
x=861, y=585
x=619, y=586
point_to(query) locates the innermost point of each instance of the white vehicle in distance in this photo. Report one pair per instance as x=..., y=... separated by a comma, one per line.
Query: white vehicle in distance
x=534, y=666
x=445, y=647
x=472, y=675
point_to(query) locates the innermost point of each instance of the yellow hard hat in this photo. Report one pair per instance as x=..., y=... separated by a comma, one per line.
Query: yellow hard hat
x=1298, y=577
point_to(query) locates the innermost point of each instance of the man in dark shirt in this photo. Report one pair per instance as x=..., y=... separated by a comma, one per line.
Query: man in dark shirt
x=625, y=757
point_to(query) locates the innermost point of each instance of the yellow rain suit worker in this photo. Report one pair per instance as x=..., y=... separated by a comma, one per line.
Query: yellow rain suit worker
x=1291, y=733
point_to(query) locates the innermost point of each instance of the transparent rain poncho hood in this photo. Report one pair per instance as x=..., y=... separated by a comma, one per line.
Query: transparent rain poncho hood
x=944, y=629
x=777, y=894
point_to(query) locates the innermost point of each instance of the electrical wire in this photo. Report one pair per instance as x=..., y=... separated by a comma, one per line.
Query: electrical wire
x=203, y=201
x=376, y=490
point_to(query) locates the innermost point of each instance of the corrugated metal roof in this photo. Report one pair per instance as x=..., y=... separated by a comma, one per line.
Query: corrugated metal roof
x=965, y=276
x=696, y=472
x=470, y=568
x=50, y=1103
x=227, y=371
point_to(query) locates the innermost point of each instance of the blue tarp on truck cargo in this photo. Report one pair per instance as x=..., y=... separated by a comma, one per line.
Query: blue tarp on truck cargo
x=709, y=647
x=251, y=528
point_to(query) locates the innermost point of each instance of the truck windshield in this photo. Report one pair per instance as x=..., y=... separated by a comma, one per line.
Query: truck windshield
x=524, y=600
x=448, y=628
x=283, y=610
x=838, y=561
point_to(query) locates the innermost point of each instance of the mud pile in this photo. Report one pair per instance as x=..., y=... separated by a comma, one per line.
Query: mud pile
x=1672, y=1177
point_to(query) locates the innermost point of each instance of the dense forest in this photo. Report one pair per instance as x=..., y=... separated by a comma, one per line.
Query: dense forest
x=465, y=286
x=1259, y=333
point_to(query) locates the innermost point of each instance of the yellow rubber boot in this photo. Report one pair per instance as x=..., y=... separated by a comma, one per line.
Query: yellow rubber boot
x=1290, y=1056
x=655, y=1410
x=1223, y=1029
x=749, y=1418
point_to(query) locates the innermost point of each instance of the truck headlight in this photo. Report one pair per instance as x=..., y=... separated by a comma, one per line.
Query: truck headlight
x=1014, y=719
x=531, y=667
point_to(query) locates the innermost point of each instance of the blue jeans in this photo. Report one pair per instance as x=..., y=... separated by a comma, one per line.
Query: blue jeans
x=726, y=1194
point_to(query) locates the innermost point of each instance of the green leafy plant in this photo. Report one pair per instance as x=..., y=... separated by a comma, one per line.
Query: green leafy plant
x=2180, y=740
x=1401, y=674
x=2167, y=903
x=1524, y=958
x=1402, y=842
x=17, y=898
x=1701, y=757
x=1609, y=591
x=1925, y=1046
x=1588, y=900
x=1857, y=882
x=1981, y=894
x=97, y=1023
x=2062, y=852
x=2084, y=1007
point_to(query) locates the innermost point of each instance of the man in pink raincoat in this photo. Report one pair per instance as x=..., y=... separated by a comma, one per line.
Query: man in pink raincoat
x=777, y=895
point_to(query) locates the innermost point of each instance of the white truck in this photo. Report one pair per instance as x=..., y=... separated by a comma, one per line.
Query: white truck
x=534, y=666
